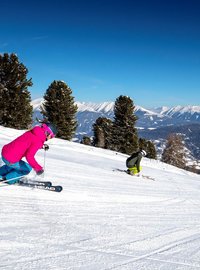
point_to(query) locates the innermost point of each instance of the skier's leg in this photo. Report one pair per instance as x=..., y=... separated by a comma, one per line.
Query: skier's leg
x=19, y=169
x=25, y=167
x=134, y=170
x=4, y=170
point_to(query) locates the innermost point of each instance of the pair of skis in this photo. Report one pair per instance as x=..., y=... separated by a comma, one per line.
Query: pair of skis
x=45, y=185
x=143, y=176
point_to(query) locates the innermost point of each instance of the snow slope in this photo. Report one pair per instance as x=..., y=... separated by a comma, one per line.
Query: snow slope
x=103, y=219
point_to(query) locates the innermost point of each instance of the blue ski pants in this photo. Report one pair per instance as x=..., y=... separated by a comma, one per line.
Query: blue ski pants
x=14, y=171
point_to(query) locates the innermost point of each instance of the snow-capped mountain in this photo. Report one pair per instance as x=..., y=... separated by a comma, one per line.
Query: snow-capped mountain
x=153, y=124
x=105, y=107
x=187, y=113
x=88, y=112
x=147, y=119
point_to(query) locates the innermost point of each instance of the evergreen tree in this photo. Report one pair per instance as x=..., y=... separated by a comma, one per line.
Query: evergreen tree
x=86, y=140
x=149, y=147
x=102, y=132
x=124, y=134
x=174, y=152
x=15, y=107
x=142, y=144
x=151, y=150
x=60, y=109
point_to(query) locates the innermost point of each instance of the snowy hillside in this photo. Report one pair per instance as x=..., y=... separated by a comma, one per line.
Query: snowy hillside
x=103, y=219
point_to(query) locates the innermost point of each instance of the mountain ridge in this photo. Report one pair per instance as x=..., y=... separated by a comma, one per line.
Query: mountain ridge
x=108, y=106
x=163, y=120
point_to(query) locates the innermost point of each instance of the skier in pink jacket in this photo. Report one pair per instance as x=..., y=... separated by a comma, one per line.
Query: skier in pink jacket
x=26, y=146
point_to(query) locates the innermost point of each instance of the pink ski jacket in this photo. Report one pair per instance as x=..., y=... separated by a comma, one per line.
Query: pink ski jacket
x=26, y=146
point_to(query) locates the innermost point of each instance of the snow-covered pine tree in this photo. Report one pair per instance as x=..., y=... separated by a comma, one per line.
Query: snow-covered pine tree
x=124, y=133
x=60, y=109
x=15, y=99
x=175, y=152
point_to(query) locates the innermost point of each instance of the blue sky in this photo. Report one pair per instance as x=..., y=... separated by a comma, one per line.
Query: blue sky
x=148, y=50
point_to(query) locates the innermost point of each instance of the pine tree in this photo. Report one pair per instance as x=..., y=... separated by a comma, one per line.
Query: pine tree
x=124, y=134
x=174, y=152
x=86, y=140
x=151, y=150
x=142, y=144
x=102, y=132
x=149, y=147
x=15, y=99
x=60, y=109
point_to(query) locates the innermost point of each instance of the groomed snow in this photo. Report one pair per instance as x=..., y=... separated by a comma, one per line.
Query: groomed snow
x=103, y=219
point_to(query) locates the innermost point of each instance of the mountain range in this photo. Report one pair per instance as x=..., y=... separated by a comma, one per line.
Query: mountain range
x=153, y=124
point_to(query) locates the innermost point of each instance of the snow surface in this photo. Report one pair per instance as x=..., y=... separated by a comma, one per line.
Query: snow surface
x=103, y=219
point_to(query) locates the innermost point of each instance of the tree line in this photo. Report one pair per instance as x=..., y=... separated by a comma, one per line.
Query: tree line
x=119, y=134
x=15, y=99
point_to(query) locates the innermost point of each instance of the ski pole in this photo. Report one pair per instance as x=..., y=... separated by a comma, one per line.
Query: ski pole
x=44, y=165
x=8, y=180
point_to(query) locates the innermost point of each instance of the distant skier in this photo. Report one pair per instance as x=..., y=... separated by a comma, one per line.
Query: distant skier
x=26, y=146
x=133, y=162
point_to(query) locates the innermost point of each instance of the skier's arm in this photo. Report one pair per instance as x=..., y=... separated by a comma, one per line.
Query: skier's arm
x=30, y=157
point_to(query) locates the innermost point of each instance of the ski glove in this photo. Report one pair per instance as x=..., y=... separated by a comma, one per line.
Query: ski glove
x=40, y=172
x=45, y=147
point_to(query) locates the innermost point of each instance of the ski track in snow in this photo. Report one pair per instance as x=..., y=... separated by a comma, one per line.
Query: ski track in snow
x=102, y=219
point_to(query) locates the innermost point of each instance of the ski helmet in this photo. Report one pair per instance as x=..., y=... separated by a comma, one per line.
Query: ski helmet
x=143, y=152
x=50, y=129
